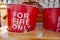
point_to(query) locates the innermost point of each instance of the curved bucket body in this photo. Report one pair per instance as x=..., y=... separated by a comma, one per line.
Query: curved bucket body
x=21, y=18
x=51, y=18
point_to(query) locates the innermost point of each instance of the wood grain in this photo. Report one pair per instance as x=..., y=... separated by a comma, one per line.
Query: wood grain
x=39, y=33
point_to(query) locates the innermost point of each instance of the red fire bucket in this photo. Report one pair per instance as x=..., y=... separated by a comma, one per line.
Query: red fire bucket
x=51, y=18
x=21, y=18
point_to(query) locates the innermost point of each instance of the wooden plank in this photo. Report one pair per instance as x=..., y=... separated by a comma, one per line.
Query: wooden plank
x=39, y=33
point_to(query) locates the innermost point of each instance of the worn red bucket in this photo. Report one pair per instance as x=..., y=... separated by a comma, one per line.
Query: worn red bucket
x=51, y=18
x=21, y=18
